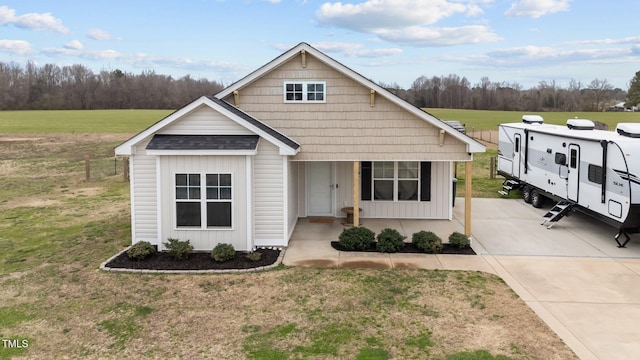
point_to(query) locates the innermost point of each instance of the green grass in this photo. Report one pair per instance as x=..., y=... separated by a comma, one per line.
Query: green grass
x=78, y=121
x=489, y=120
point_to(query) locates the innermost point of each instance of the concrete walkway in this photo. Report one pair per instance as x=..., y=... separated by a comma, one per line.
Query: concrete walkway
x=573, y=276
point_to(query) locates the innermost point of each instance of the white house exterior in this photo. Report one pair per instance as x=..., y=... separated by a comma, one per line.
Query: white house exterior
x=299, y=137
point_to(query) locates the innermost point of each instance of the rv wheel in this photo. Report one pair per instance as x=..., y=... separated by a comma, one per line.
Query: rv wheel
x=537, y=200
x=526, y=194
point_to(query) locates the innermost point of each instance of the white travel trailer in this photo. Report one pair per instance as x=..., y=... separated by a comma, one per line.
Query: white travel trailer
x=594, y=171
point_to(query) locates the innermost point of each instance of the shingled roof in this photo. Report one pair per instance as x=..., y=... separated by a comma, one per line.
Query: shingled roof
x=203, y=142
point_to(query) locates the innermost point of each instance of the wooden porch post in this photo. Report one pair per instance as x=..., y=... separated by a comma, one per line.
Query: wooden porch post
x=467, y=198
x=356, y=193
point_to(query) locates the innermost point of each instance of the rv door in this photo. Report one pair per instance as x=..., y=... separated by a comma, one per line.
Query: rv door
x=573, y=176
x=517, y=143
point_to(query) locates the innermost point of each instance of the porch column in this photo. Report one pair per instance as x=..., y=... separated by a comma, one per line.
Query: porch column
x=467, y=198
x=356, y=193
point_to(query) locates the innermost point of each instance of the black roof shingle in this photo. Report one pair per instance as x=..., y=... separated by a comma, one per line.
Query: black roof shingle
x=203, y=142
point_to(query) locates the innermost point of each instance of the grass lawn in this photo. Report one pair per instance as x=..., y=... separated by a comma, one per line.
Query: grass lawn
x=57, y=228
x=78, y=121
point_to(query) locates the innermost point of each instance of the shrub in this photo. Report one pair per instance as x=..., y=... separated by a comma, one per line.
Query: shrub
x=223, y=252
x=427, y=242
x=390, y=241
x=357, y=238
x=141, y=250
x=459, y=240
x=254, y=256
x=178, y=249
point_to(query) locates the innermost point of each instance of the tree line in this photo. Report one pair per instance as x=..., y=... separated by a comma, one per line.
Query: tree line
x=454, y=92
x=50, y=87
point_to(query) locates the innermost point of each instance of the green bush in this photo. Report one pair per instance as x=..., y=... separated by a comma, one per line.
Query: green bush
x=223, y=252
x=459, y=240
x=427, y=242
x=390, y=241
x=254, y=256
x=357, y=238
x=178, y=249
x=141, y=250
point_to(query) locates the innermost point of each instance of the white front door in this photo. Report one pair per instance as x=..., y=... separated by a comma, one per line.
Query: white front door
x=319, y=188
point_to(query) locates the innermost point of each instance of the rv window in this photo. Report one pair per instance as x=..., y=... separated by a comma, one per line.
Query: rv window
x=574, y=158
x=517, y=144
x=561, y=159
x=595, y=174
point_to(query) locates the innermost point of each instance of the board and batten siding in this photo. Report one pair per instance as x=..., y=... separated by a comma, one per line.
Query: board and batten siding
x=205, y=120
x=438, y=208
x=144, y=202
x=268, y=196
x=346, y=127
x=205, y=239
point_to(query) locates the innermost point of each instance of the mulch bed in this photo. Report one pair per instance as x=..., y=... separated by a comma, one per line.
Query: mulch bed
x=409, y=248
x=196, y=261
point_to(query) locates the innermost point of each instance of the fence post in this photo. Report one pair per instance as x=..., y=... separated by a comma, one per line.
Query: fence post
x=125, y=172
x=492, y=167
x=87, y=168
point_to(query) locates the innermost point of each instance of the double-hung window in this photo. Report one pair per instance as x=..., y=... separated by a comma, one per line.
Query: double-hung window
x=305, y=91
x=203, y=200
x=396, y=181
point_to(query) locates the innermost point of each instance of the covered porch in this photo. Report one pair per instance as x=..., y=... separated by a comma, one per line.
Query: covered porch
x=310, y=245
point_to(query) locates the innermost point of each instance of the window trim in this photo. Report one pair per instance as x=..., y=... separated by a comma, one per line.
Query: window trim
x=203, y=201
x=396, y=179
x=305, y=94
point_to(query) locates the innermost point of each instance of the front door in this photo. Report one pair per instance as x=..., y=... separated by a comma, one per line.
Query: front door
x=516, y=156
x=319, y=188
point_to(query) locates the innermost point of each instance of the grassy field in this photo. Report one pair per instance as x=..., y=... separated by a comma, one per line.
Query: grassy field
x=56, y=228
x=489, y=120
x=78, y=121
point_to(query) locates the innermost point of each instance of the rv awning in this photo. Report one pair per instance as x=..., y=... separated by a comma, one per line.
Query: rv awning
x=163, y=144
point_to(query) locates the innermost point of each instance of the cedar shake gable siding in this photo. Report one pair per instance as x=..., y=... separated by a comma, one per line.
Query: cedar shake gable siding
x=345, y=127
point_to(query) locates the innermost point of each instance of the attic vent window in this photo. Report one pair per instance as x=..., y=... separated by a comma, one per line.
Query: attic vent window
x=305, y=91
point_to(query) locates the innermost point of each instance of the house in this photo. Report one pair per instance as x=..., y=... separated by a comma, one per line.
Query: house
x=302, y=136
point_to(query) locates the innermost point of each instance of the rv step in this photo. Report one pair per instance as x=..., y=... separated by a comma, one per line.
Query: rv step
x=507, y=186
x=557, y=212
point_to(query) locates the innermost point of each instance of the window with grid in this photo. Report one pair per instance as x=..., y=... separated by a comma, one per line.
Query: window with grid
x=304, y=91
x=395, y=181
x=212, y=210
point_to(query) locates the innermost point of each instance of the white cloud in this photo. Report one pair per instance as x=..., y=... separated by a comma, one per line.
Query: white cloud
x=377, y=14
x=430, y=36
x=74, y=45
x=17, y=47
x=97, y=34
x=409, y=22
x=32, y=21
x=537, y=8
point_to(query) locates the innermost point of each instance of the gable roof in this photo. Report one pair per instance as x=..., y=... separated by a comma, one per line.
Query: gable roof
x=472, y=145
x=286, y=145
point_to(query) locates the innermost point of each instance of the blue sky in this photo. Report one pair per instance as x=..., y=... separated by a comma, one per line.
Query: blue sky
x=389, y=41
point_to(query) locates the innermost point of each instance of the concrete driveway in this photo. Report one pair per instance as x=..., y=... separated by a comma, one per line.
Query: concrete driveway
x=573, y=275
